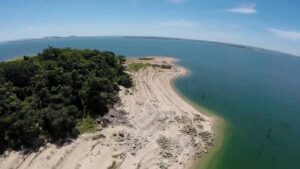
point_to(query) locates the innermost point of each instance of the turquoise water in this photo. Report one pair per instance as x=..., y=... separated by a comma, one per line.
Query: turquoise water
x=257, y=92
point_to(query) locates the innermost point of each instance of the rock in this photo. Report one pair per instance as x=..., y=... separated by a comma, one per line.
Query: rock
x=167, y=155
x=121, y=136
x=198, y=118
x=114, y=117
x=100, y=136
x=190, y=130
x=169, y=148
x=207, y=137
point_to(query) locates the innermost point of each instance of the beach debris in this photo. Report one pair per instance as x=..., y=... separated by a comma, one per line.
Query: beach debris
x=121, y=136
x=183, y=119
x=115, y=117
x=190, y=130
x=162, y=165
x=98, y=136
x=207, y=137
x=120, y=155
x=198, y=118
x=169, y=149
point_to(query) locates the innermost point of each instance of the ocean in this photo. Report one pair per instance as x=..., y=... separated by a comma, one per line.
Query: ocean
x=257, y=92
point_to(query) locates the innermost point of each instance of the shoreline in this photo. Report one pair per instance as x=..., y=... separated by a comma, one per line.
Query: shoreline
x=220, y=126
x=152, y=127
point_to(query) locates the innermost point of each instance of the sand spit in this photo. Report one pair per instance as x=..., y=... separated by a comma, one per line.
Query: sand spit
x=152, y=127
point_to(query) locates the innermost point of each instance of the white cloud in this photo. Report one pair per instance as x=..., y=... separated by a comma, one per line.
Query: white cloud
x=181, y=23
x=291, y=35
x=177, y=1
x=244, y=9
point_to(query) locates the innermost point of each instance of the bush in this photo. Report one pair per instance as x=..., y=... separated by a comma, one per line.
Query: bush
x=86, y=125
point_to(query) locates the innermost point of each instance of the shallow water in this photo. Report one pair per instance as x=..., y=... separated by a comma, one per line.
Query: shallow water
x=257, y=92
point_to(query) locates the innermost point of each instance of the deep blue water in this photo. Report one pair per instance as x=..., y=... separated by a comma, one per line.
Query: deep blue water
x=257, y=92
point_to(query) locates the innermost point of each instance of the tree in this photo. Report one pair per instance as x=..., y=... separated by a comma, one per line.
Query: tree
x=43, y=97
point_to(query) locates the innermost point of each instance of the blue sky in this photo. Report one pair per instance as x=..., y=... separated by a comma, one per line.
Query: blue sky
x=271, y=24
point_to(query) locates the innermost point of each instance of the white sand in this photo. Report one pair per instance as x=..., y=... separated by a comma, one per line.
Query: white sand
x=160, y=130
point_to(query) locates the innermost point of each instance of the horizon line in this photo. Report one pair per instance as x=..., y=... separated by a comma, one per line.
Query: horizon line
x=158, y=37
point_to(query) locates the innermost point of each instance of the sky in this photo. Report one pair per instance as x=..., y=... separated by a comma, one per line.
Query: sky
x=270, y=24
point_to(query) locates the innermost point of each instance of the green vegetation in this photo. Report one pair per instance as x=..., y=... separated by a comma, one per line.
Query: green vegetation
x=145, y=58
x=86, y=125
x=48, y=97
x=134, y=67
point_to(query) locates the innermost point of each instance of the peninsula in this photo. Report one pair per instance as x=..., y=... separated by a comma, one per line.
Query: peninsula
x=150, y=127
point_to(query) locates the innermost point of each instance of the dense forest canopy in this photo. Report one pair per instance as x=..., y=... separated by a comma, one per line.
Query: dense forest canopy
x=44, y=96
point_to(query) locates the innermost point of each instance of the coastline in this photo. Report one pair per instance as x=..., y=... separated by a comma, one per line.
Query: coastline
x=220, y=126
x=152, y=127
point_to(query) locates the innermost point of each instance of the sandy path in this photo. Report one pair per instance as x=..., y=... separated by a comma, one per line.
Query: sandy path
x=160, y=130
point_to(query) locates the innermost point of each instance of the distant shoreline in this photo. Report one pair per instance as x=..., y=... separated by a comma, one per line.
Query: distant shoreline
x=157, y=37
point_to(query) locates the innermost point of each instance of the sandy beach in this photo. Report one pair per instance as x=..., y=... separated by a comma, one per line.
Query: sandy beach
x=151, y=127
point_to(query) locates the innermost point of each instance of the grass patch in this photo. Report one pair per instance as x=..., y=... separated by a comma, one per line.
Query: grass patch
x=86, y=125
x=134, y=67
